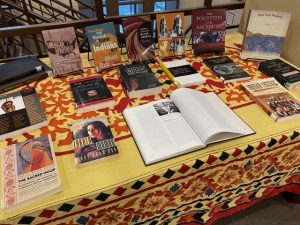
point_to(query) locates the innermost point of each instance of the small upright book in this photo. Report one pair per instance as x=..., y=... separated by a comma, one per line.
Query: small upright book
x=20, y=112
x=29, y=172
x=226, y=69
x=171, y=37
x=284, y=73
x=139, y=40
x=188, y=121
x=139, y=80
x=274, y=99
x=63, y=51
x=208, y=30
x=104, y=45
x=181, y=73
x=91, y=93
x=93, y=141
x=264, y=34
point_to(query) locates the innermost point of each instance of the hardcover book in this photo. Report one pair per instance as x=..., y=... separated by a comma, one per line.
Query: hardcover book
x=170, y=31
x=139, y=80
x=29, y=172
x=264, y=34
x=188, y=121
x=138, y=37
x=63, y=51
x=208, y=30
x=91, y=94
x=273, y=98
x=20, y=112
x=93, y=141
x=104, y=45
x=181, y=73
x=226, y=69
x=284, y=73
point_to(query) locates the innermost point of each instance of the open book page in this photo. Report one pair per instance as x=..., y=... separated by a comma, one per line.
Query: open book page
x=160, y=131
x=209, y=116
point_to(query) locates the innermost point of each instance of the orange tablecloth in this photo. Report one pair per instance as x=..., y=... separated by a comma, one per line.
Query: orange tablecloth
x=201, y=186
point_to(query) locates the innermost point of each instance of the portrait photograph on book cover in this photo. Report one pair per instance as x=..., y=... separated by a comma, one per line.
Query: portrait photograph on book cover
x=92, y=140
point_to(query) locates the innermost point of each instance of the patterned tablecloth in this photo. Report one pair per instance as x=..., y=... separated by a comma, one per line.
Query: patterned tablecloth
x=199, y=187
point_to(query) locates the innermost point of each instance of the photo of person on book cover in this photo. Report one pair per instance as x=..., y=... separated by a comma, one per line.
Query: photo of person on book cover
x=11, y=104
x=33, y=155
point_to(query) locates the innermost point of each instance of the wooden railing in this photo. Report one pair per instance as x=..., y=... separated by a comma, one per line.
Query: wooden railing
x=34, y=31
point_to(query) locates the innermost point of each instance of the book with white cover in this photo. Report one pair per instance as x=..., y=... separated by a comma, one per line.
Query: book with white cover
x=28, y=172
x=188, y=121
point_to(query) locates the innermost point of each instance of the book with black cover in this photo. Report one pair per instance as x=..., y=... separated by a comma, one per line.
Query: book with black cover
x=226, y=69
x=21, y=72
x=91, y=93
x=93, y=141
x=188, y=121
x=284, y=73
x=208, y=30
x=20, y=112
x=138, y=36
x=139, y=80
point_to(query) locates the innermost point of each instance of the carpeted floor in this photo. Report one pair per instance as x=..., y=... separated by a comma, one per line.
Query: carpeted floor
x=274, y=211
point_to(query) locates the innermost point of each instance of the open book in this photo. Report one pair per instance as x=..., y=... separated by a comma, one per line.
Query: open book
x=188, y=121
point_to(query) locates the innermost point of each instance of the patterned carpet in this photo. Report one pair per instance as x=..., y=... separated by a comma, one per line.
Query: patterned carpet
x=273, y=211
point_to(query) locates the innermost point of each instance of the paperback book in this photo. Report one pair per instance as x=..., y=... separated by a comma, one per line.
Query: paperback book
x=188, y=121
x=286, y=74
x=20, y=112
x=29, y=172
x=208, y=30
x=273, y=98
x=181, y=73
x=93, y=141
x=63, y=51
x=91, y=93
x=171, y=37
x=104, y=45
x=139, y=40
x=139, y=80
x=226, y=69
x=264, y=34
x=21, y=72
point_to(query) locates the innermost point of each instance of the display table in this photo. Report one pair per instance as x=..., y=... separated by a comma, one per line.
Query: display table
x=198, y=187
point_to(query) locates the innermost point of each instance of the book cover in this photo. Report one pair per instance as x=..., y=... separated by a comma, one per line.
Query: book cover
x=91, y=92
x=138, y=37
x=63, y=50
x=171, y=37
x=93, y=141
x=264, y=34
x=273, y=98
x=226, y=69
x=29, y=172
x=139, y=80
x=104, y=45
x=20, y=112
x=208, y=30
x=284, y=73
x=181, y=73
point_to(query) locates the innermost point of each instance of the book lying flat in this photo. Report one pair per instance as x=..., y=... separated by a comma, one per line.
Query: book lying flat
x=188, y=121
x=226, y=69
x=274, y=99
x=29, y=172
x=20, y=112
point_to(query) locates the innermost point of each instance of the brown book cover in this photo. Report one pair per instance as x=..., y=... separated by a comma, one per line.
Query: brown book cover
x=208, y=30
x=170, y=31
x=63, y=51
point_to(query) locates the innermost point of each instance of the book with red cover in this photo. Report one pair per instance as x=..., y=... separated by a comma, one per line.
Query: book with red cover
x=170, y=31
x=208, y=30
x=63, y=51
x=138, y=36
x=91, y=94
